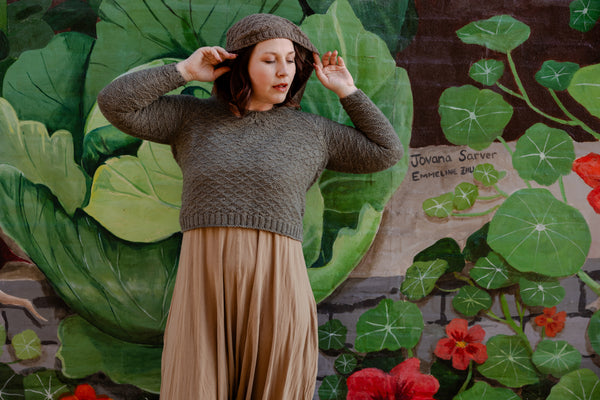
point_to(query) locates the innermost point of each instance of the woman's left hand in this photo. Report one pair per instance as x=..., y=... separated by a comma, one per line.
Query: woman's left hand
x=333, y=74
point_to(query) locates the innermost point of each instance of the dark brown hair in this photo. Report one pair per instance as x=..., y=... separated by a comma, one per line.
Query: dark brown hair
x=235, y=88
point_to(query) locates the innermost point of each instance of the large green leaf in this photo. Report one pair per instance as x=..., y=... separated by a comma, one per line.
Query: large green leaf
x=122, y=288
x=45, y=85
x=446, y=249
x=12, y=383
x=44, y=385
x=585, y=88
x=535, y=232
x=391, y=325
x=593, y=332
x=542, y=291
x=85, y=350
x=127, y=189
x=43, y=159
x=556, y=75
x=313, y=225
x=27, y=29
x=421, y=278
x=470, y=300
x=556, y=357
x=584, y=14
x=582, y=384
x=131, y=33
x=492, y=272
x=501, y=33
x=482, y=390
x=508, y=362
x=544, y=154
x=473, y=117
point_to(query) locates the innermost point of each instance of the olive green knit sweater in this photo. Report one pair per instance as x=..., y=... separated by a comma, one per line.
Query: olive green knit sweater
x=252, y=171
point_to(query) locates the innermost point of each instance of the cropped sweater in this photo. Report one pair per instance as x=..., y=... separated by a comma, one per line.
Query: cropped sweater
x=252, y=171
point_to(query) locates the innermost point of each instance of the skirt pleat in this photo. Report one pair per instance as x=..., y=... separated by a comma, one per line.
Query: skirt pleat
x=242, y=323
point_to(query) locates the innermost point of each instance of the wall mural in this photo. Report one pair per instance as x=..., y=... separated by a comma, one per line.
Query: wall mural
x=90, y=215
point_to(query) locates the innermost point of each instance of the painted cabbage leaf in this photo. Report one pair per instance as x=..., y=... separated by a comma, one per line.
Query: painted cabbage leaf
x=487, y=72
x=43, y=159
x=332, y=335
x=585, y=88
x=45, y=85
x=544, y=154
x=508, y=362
x=149, y=184
x=542, y=291
x=482, y=390
x=122, y=288
x=85, y=350
x=584, y=14
x=421, y=277
x=556, y=357
x=535, y=232
x=492, y=272
x=501, y=33
x=391, y=325
x=556, y=75
x=470, y=300
x=131, y=33
x=473, y=117
x=582, y=384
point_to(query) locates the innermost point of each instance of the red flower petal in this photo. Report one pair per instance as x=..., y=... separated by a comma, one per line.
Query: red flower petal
x=457, y=329
x=460, y=359
x=549, y=312
x=445, y=348
x=476, y=334
x=85, y=392
x=594, y=199
x=478, y=352
x=541, y=320
x=411, y=383
x=369, y=384
x=588, y=168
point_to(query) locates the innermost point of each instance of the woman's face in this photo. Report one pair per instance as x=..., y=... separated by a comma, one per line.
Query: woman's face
x=271, y=68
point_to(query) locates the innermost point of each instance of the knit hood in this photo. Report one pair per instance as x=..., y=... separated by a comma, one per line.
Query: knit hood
x=257, y=28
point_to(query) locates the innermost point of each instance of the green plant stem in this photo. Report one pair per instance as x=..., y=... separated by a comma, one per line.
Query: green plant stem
x=509, y=91
x=510, y=322
x=409, y=353
x=561, y=184
x=502, y=192
x=479, y=214
x=468, y=379
x=574, y=120
x=494, y=197
x=592, y=284
x=447, y=290
x=494, y=316
x=506, y=146
x=524, y=95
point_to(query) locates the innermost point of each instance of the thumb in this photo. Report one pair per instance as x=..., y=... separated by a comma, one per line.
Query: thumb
x=220, y=71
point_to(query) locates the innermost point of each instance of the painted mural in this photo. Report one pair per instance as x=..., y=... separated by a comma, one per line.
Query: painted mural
x=494, y=214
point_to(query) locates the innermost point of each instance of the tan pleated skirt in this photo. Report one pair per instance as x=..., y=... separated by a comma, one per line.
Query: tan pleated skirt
x=242, y=323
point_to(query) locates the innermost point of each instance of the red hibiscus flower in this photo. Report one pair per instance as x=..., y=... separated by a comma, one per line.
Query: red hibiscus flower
x=84, y=392
x=462, y=344
x=552, y=321
x=404, y=382
x=588, y=168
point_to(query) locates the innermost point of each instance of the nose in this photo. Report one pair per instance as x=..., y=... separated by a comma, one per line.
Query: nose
x=282, y=69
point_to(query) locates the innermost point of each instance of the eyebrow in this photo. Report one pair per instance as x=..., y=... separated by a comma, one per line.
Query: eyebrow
x=276, y=53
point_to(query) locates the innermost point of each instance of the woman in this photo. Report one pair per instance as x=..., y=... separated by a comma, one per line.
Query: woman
x=242, y=323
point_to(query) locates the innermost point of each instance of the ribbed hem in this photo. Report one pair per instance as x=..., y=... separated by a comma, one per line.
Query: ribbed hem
x=242, y=221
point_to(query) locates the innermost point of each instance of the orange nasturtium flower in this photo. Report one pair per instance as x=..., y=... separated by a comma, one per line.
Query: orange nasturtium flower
x=84, y=392
x=588, y=168
x=552, y=321
x=462, y=344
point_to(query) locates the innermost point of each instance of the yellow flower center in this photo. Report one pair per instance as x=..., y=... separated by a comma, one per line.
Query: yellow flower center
x=462, y=345
x=549, y=320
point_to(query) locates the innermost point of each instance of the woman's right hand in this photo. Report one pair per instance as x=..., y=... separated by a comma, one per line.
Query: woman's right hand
x=200, y=66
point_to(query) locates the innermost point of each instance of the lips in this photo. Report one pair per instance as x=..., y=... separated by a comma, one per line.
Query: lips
x=282, y=87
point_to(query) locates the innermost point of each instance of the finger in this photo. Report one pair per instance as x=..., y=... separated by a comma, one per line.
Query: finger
x=317, y=59
x=334, y=57
x=341, y=62
x=224, y=53
x=326, y=58
x=220, y=71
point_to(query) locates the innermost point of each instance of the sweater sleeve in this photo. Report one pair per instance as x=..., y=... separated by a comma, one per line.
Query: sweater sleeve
x=135, y=103
x=371, y=146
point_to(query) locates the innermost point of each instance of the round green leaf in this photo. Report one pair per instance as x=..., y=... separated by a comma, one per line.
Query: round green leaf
x=556, y=75
x=585, y=88
x=534, y=232
x=593, y=332
x=345, y=364
x=444, y=249
x=492, y=272
x=508, y=362
x=12, y=383
x=487, y=72
x=470, y=300
x=440, y=206
x=333, y=387
x=476, y=246
x=543, y=154
x=556, y=357
x=584, y=14
x=543, y=291
x=500, y=33
x=487, y=174
x=332, y=335
x=465, y=195
x=44, y=385
x=27, y=345
x=582, y=384
x=473, y=117
x=391, y=325
x=482, y=390
x=421, y=277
